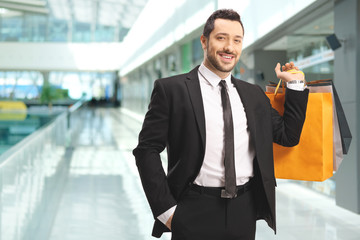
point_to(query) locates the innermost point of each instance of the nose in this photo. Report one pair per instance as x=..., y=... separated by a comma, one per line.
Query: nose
x=229, y=46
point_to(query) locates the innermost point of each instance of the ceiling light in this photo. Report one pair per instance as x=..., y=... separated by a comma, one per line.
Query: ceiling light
x=3, y=10
x=28, y=2
x=23, y=8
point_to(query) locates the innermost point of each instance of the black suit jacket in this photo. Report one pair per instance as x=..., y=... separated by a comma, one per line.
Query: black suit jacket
x=175, y=120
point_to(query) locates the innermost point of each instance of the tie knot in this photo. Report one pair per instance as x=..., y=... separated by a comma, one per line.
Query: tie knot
x=223, y=84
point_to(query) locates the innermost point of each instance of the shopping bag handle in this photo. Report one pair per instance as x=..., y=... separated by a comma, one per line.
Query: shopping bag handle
x=319, y=82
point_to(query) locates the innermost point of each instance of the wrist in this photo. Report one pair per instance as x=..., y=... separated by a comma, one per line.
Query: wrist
x=298, y=85
x=296, y=82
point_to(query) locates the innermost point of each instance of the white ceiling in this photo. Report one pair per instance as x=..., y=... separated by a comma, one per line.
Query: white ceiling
x=312, y=32
x=120, y=13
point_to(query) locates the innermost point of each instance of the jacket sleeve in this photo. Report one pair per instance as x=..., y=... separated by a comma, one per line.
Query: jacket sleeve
x=152, y=141
x=287, y=128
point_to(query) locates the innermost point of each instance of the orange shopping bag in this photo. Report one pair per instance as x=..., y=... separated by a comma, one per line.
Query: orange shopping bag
x=312, y=158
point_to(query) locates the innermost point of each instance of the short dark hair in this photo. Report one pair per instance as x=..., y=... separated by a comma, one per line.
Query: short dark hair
x=228, y=14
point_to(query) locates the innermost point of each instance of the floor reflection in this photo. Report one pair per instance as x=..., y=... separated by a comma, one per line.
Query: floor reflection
x=94, y=192
x=103, y=198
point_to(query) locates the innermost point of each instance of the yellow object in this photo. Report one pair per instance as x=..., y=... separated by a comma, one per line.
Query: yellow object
x=294, y=71
x=12, y=111
x=277, y=87
x=12, y=116
x=312, y=158
x=12, y=106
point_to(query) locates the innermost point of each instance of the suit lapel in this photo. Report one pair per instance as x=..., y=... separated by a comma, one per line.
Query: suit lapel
x=247, y=101
x=193, y=85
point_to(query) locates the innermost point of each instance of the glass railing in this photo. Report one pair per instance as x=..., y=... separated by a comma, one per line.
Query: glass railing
x=32, y=176
x=17, y=125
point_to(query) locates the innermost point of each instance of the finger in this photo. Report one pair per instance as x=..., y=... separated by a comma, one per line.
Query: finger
x=277, y=69
x=285, y=68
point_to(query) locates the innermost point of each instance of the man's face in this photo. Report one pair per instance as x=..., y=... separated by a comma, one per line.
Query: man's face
x=223, y=48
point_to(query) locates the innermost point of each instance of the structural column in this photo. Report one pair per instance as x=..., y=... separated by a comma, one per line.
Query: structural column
x=347, y=82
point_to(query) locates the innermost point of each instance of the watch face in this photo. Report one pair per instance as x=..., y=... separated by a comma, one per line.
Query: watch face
x=297, y=84
x=296, y=81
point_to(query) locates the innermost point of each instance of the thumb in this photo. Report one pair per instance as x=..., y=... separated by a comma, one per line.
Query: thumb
x=277, y=69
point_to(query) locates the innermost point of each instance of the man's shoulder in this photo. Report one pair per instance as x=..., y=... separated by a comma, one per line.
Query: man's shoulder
x=177, y=77
x=247, y=85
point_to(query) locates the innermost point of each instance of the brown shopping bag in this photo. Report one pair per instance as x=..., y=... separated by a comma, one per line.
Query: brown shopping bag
x=312, y=158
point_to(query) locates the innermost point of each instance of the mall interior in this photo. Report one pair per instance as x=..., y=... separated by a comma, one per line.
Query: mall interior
x=76, y=78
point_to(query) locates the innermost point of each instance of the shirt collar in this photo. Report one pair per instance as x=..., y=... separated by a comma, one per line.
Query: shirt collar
x=211, y=77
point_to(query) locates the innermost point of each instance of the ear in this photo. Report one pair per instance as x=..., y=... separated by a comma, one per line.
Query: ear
x=203, y=41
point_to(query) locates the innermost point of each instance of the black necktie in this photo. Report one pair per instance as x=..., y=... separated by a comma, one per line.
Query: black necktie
x=229, y=161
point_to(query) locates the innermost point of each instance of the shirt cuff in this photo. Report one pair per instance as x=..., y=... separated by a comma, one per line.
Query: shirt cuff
x=297, y=85
x=164, y=217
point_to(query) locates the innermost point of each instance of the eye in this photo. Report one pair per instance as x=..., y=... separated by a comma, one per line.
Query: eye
x=220, y=38
x=237, y=41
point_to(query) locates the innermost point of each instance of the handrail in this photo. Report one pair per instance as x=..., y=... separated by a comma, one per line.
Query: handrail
x=8, y=154
x=28, y=140
x=77, y=105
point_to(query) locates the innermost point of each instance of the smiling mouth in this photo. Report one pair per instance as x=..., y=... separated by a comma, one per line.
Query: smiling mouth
x=226, y=57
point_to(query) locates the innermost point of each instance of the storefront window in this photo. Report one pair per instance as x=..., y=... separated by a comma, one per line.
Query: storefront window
x=308, y=48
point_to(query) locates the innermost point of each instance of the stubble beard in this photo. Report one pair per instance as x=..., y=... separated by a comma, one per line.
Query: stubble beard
x=217, y=65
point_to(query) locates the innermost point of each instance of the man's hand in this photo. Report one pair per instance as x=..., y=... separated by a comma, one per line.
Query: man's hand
x=168, y=223
x=289, y=72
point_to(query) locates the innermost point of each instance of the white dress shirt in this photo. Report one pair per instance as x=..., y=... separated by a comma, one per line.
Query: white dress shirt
x=212, y=172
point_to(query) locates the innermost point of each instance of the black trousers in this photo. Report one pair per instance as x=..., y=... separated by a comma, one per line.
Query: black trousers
x=200, y=216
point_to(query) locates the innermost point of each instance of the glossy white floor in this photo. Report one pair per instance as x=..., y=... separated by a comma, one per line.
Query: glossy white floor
x=103, y=198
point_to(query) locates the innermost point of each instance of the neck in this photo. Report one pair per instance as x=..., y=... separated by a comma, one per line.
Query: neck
x=221, y=74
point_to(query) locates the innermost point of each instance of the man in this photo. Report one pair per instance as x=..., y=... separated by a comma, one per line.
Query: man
x=218, y=132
